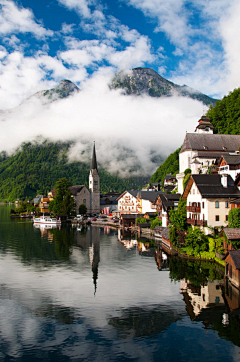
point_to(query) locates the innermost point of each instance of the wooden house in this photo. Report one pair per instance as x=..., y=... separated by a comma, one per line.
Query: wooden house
x=230, y=235
x=232, y=267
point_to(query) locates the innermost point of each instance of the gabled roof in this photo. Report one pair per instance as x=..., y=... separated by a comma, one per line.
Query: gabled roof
x=232, y=234
x=148, y=195
x=231, y=160
x=132, y=192
x=210, y=142
x=235, y=255
x=168, y=200
x=210, y=186
x=76, y=189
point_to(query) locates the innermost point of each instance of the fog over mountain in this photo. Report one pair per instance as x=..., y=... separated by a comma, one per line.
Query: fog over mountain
x=132, y=132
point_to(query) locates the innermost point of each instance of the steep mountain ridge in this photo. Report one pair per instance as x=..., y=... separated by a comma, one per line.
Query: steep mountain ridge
x=141, y=81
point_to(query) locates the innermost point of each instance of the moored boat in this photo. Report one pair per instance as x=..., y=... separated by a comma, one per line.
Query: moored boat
x=47, y=220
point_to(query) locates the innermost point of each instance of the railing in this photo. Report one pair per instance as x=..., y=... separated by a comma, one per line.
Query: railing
x=197, y=222
x=193, y=208
x=191, y=221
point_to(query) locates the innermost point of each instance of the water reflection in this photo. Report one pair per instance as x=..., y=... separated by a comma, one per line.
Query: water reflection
x=87, y=295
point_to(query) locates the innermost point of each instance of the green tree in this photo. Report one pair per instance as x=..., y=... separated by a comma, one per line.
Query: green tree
x=178, y=217
x=82, y=209
x=63, y=203
x=234, y=218
x=197, y=240
x=156, y=222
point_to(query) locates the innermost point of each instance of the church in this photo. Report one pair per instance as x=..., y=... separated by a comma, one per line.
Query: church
x=89, y=197
x=203, y=148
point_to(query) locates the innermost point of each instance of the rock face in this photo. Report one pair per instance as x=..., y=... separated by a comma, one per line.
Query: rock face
x=141, y=81
x=64, y=89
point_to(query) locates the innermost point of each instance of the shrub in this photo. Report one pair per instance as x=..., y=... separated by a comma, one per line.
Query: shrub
x=140, y=220
x=234, y=218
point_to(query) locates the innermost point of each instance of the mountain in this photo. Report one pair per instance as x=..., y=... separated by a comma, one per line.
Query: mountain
x=64, y=89
x=141, y=81
x=34, y=169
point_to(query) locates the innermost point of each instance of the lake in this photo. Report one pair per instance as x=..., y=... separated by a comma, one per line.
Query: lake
x=94, y=294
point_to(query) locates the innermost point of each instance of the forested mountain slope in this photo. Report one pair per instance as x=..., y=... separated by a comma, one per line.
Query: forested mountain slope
x=225, y=115
x=34, y=169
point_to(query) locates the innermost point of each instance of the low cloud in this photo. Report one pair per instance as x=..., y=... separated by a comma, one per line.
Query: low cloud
x=130, y=131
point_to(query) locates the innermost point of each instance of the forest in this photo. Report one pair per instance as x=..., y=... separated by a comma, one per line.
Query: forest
x=35, y=169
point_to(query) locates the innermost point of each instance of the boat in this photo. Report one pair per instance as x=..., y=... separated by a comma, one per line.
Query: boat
x=47, y=220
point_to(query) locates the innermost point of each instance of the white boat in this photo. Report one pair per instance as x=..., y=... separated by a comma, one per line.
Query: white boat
x=47, y=220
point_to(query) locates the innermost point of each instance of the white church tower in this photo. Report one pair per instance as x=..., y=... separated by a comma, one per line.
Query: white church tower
x=94, y=185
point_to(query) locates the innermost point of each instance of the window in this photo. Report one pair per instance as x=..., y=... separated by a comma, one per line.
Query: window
x=226, y=204
x=203, y=297
x=84, y=201
x=217, y=204
x=203, y=205
x=226, y=218
x=193, y=192
x=217, y=218
x=203, y=217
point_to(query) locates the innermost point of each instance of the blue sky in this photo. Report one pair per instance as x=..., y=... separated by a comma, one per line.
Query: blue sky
x=189, y=42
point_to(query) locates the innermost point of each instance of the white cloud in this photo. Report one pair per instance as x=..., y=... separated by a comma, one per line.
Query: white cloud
x=19, y=20
x=81, y=6
x=134, y=128
x=133, y=56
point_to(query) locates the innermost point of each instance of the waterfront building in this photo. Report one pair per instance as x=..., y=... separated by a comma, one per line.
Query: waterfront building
x=208, y=199
x=164, y=203
x=232, y=267
x=145, y=201
x=127, y=202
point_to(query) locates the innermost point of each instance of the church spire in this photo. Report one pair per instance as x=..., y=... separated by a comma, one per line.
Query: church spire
x=94, y=159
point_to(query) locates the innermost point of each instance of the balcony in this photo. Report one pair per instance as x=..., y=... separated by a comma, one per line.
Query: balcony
x=194, y=208
x=197, y=222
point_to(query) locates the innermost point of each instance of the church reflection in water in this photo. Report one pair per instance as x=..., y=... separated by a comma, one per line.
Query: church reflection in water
x=89, y=239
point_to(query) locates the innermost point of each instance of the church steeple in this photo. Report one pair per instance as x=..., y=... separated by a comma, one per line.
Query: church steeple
x=94, y=185
x=94, y=159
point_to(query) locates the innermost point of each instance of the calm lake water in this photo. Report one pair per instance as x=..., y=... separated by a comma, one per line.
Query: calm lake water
x=86, y=295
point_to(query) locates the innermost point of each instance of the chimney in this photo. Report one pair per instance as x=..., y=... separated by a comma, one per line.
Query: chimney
x=224, y=180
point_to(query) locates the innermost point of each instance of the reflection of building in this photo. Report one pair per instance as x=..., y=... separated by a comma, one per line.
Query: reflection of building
x=89, y=239
x=199, y=298
x=161, y=259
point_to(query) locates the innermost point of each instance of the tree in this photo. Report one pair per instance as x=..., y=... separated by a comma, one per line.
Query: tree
x=234, y=218
x=178, y=217
x=63, y=202
x=197, y=240
x=82, y=209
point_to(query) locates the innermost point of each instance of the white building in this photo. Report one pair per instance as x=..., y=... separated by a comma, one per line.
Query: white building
x=127, y=202
x=203, y=149
x=208, y=199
